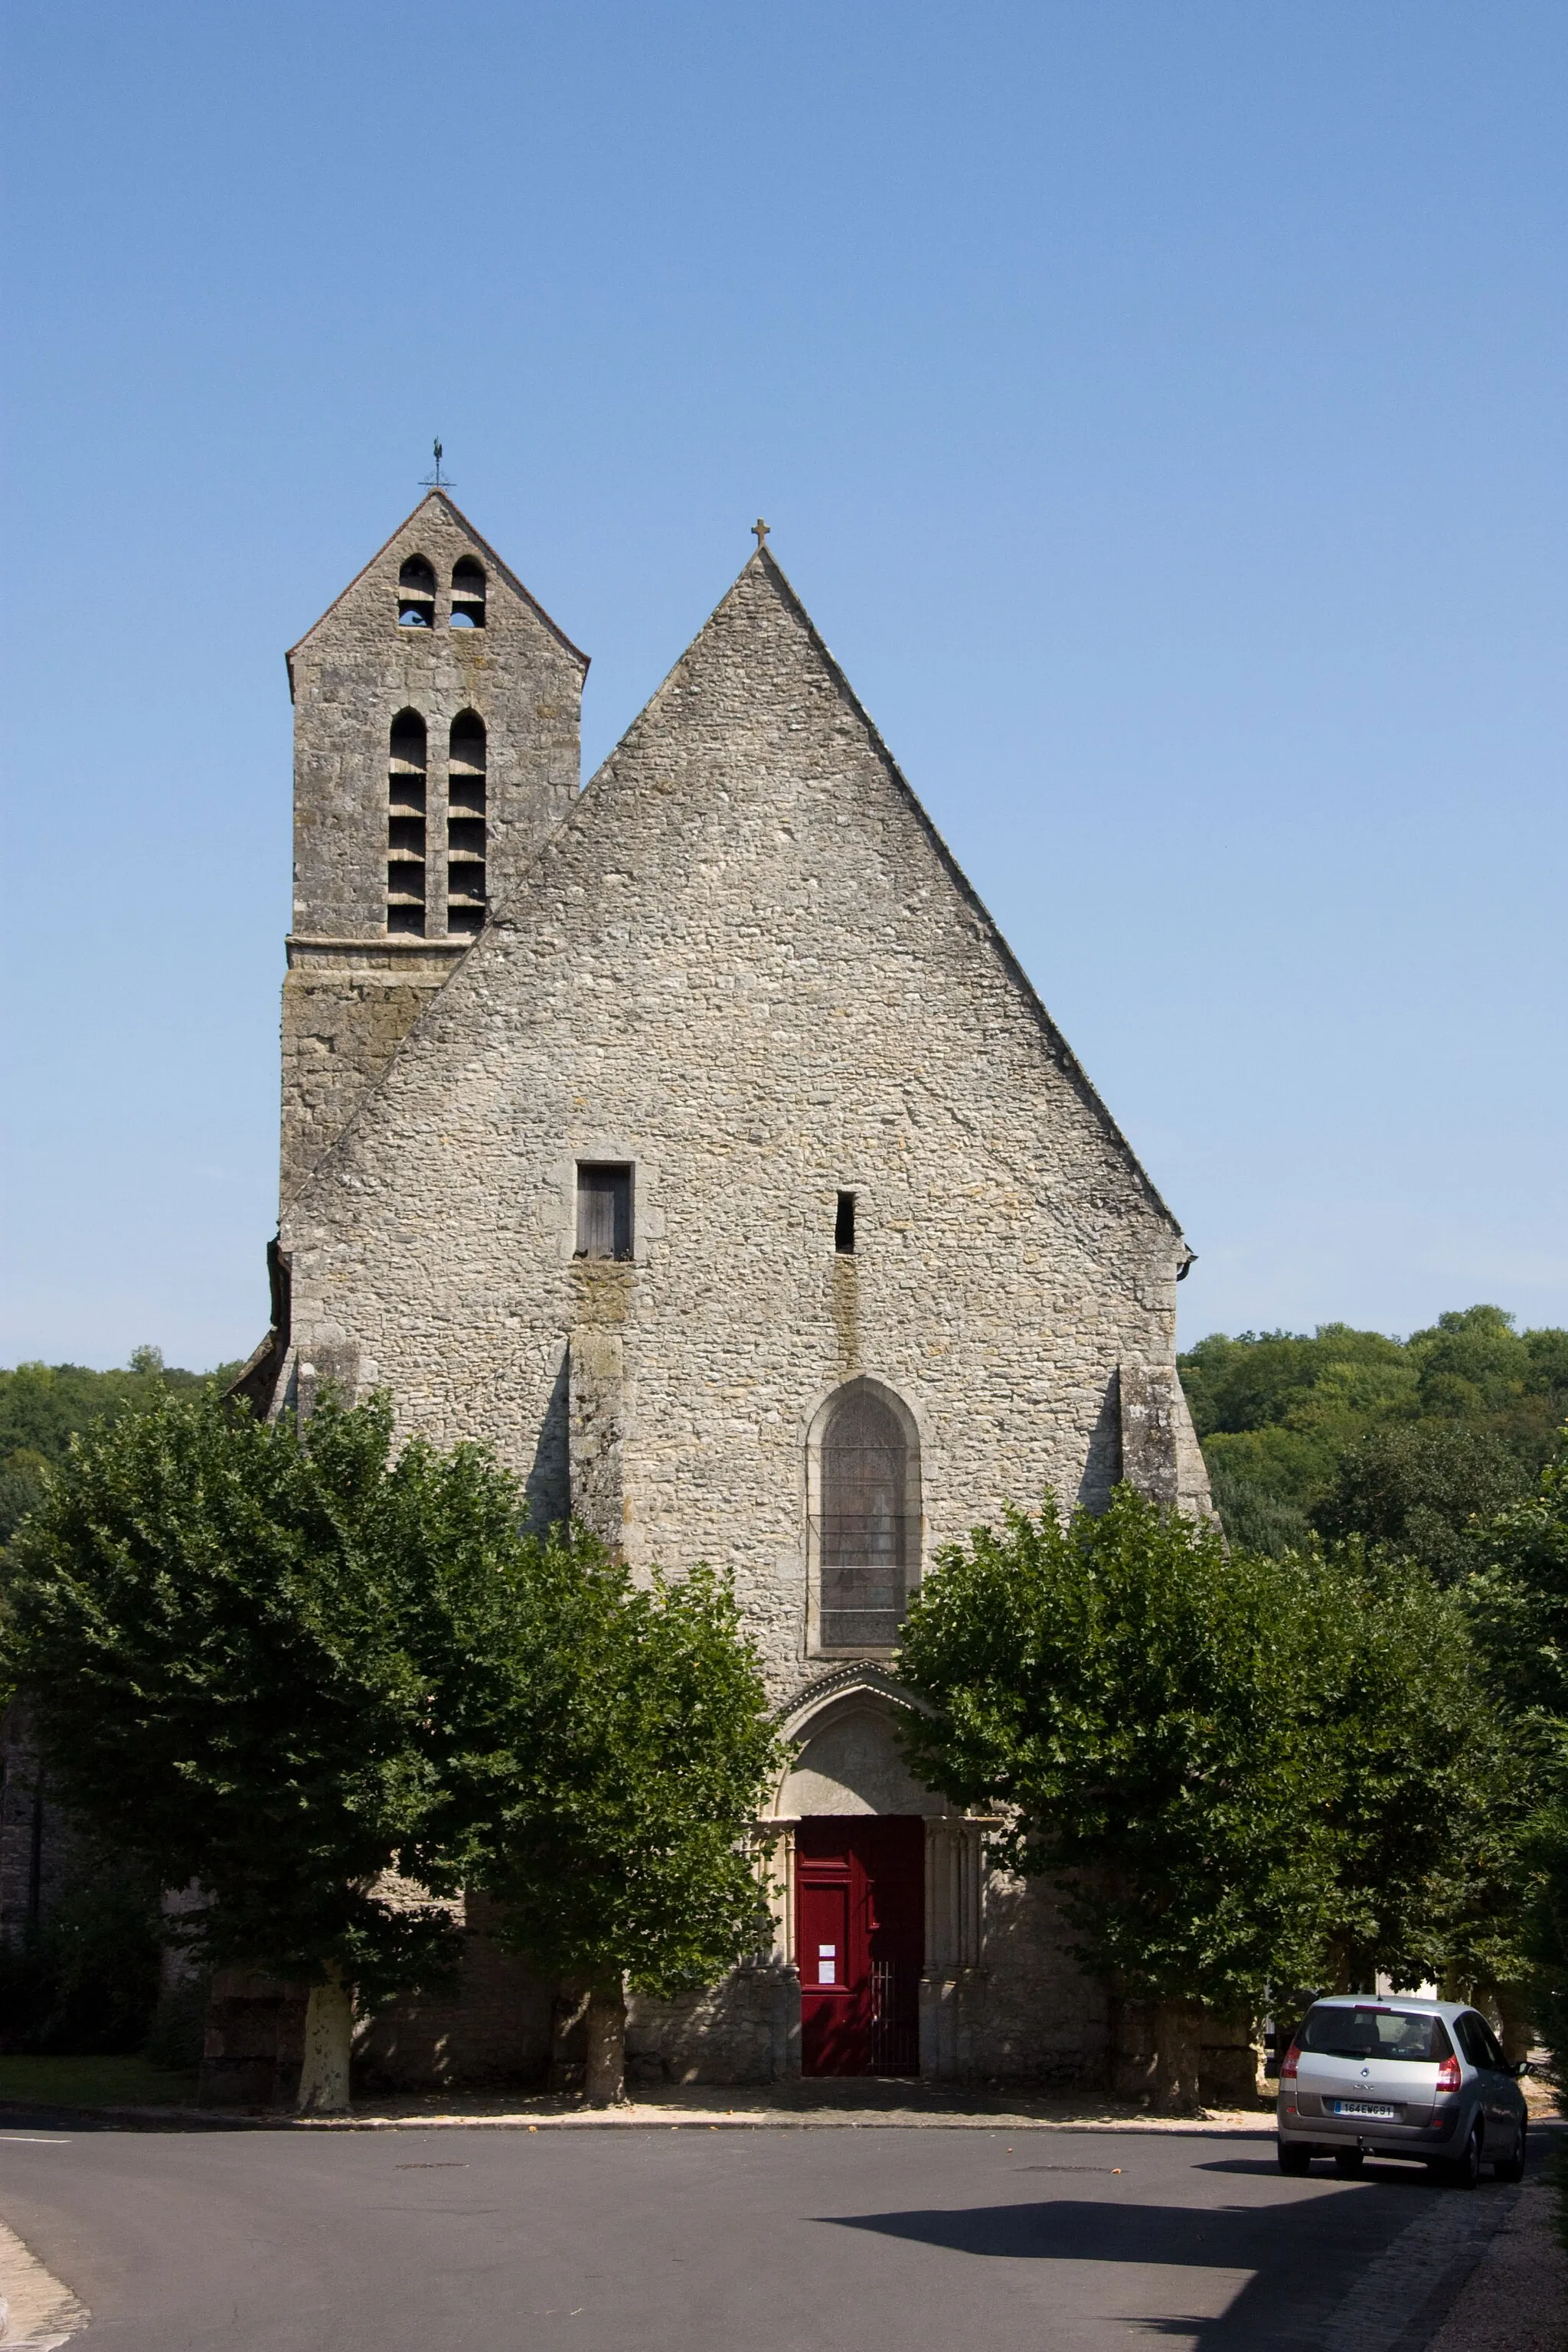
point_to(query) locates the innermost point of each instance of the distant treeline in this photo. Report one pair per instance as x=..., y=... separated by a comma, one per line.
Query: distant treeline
x=1406, y=1441
x=42, y=1406
x=1410, y=1443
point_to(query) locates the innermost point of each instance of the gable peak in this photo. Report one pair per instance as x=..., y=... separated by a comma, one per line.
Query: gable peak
x=437, y=508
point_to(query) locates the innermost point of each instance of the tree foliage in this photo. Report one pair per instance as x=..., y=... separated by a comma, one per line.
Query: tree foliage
x=1240, y=1771
x=1406, y=1441
x=630, y=1746
x=236, y=1640
x=283, y=1664
x=1426, y=1490
x=1416, y=1783
x=1517, y=1607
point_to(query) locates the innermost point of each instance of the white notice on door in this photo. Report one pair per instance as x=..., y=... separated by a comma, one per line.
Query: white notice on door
x=827, y=1953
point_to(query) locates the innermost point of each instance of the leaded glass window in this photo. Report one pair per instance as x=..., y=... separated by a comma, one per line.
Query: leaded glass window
x=864, y=1532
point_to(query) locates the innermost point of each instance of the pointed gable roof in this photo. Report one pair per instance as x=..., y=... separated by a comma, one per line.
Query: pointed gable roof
x=764, y=564
x=454, y=513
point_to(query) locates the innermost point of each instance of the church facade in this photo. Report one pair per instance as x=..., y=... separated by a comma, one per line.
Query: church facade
x=693, y=1139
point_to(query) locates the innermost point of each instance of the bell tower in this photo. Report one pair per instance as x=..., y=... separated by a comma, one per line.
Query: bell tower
x=436, y=718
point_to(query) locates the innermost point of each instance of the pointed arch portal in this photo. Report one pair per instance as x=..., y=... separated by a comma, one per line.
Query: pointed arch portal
x=862, y=1864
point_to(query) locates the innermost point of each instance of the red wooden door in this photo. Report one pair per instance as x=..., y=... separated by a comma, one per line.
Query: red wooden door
x=860, y=1942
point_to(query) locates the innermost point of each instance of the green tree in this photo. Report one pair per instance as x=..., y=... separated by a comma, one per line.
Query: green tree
x=625, y=1769
x=1243, y=1774
x=1426, y=1489
x=1519, y=1606
x=1519, y=1602
x=1138, y=1705
x=1417, y=1796
x=244, y=1645
x=1279, y=1413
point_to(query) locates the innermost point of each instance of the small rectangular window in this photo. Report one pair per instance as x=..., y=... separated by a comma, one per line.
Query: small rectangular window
x=604, y=1209
x=843, y=1226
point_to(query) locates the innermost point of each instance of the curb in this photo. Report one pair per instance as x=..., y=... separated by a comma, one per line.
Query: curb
x=705, y=2119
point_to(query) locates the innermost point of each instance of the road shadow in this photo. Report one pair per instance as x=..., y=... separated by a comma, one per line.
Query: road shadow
x=1303, y=2256
x=1383, y=2175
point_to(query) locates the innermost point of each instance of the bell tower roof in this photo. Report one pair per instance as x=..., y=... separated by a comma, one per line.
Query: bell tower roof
x=436, y=502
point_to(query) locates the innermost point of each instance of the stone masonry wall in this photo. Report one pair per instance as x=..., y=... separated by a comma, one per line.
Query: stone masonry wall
x=37, y=1850
x=1028, y=2013
x=744, y=964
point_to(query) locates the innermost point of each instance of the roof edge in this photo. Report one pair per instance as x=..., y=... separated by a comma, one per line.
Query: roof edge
x=1077, y=1076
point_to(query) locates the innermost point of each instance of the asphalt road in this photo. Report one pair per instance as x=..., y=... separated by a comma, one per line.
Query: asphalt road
x=822, y=2241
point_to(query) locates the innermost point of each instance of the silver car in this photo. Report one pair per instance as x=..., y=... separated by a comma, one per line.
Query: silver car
x=1424, y=2079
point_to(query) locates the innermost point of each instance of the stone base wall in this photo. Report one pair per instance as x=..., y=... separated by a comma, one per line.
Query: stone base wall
x=1230, y=2059
x=1023, y=2015
x=255, y=2041
x=492, y=2027
x=746, y=2030
x=37, y=1850
x=1027, y=2013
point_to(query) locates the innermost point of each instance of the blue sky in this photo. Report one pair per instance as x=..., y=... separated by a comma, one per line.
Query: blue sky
x=1159, y=406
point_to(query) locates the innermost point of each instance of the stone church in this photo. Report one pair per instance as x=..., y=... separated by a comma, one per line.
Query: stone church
x=693, y=1138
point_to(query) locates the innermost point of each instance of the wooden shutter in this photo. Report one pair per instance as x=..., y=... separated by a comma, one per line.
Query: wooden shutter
x=604, y=1209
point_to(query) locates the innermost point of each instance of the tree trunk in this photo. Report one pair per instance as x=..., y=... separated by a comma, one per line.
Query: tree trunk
x=568, y=2025
x=1158, y=2055
x=1518, y=2025
x=605, y=2080
x=1178, y=2045
x=329, y=2033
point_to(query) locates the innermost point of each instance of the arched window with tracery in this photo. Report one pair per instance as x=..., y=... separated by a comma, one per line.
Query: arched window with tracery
x=866, y=1526
x=416, y=595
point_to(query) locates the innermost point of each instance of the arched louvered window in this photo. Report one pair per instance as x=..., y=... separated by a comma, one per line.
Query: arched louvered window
x=405, y=782
x=867, y=1522
x=416, y=595
x=468, y=593
x=466, y=824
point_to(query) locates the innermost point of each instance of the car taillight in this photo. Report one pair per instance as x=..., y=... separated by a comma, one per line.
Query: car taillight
x=1287, y=2065
x=1448, y=2073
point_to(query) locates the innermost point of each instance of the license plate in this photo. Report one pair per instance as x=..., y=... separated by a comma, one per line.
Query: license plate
x=1363, y=2107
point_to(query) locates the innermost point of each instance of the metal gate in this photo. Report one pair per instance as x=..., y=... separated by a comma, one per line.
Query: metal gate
x=895, y=2018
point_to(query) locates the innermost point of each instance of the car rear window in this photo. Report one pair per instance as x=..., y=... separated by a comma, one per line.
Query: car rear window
x=1375, y=2033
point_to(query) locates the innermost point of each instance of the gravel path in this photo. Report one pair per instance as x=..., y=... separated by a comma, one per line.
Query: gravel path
x=1516, y=2299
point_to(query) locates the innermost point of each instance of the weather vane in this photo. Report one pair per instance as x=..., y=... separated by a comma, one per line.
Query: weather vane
x=438, y=480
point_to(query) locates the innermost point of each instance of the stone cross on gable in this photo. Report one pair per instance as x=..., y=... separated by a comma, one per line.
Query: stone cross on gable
x=760, y=533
